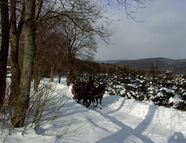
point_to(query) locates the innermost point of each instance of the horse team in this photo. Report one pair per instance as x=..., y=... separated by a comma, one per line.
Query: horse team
x=88, y=93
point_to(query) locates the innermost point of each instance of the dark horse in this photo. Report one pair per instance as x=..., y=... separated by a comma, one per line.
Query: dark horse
x=83, y=91
x=88, y=92
x=98, y=94
x=78, y=90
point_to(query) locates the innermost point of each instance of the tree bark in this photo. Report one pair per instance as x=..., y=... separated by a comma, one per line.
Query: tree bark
x=4, y=48
x=71, y=73
x=26, y=71
x=37, y=79
x=14, y=55
x=52, y=73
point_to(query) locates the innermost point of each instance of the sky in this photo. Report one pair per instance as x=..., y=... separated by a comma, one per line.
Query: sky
x=159, y=32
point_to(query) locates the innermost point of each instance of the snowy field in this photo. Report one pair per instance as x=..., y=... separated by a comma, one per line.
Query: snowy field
x=119, y=121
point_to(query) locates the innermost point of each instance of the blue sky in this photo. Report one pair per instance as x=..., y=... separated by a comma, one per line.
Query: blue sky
x=161, y=34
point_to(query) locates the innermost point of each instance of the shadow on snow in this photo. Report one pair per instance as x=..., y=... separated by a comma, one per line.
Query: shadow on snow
x=126, y=131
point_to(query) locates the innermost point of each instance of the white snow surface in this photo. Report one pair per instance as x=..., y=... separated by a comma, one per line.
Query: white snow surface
x=119, y=121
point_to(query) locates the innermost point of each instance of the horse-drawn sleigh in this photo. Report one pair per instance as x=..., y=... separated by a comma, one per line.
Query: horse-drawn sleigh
x=88, y=93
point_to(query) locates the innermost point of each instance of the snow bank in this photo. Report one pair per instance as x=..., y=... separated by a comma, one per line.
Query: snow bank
x=120, y=120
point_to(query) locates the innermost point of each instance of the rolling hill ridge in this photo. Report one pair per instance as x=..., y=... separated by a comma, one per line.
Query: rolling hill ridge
x=163, y=64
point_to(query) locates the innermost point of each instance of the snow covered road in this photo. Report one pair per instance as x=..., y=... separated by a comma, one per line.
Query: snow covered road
x=119, y=121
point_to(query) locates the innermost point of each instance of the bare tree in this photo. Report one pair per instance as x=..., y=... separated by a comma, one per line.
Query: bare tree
x=4, y=48
x=16, y=30
x=50, y=50
x=131, y=6
x=74, y=24
x=26, y=71
x=79, y=44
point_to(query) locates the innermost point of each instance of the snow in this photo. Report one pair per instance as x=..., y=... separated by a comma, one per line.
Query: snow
x=175, y=100
x=119, y=121
x=167, y=90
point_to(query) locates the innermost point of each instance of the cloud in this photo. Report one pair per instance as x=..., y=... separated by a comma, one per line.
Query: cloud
x=161, y=35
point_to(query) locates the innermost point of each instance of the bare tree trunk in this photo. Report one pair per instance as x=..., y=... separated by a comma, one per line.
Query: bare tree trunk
x=52, y=73
x=37, y=79
x=15, y=36
x=26, y=72
x=4, y=48
x=59, y=79
x=71, y=73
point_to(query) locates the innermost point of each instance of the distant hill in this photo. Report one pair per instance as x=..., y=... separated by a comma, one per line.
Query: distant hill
x=177, y=65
